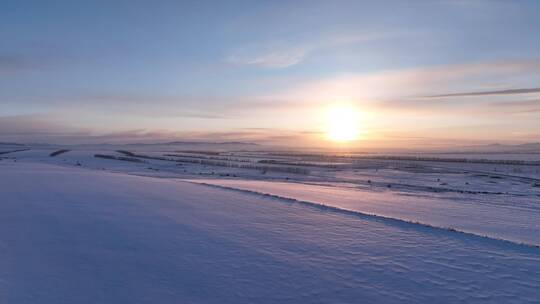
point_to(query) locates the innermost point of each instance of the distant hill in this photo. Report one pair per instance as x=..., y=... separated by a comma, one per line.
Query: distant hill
x=196, y=143
x=11, y=144
x=210, y=143
x=502, y=148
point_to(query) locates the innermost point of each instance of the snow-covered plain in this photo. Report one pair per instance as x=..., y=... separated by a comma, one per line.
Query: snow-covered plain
x=75, y=228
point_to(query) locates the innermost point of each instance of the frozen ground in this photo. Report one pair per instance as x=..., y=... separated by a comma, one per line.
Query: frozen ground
x=75, y=228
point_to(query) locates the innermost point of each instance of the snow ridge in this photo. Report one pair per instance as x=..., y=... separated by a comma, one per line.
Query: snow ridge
x=366, y=215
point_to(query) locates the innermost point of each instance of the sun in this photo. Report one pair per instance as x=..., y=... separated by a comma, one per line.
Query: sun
x=342, y=123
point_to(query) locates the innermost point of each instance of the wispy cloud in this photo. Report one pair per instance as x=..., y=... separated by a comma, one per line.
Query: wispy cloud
x=407, y=86
x=520, y=103
x=37, y=128
x=274, y=57
x=483, y=93
x=520, y=107
x=14, y=62
x=160, y=106
x=48, y=130
x=10, y=63
x=166, y=106
x=286, y=54
x=391, y=95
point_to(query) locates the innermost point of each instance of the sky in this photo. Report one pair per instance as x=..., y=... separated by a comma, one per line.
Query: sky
x=419, y=73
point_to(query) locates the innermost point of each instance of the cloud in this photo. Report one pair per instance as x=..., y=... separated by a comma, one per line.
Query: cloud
x=33, y=124
x=407, y=87
x=46, y=129
x=520, y=107
x=10, y=63
x=37, y=128
x=286, y=54
x=483, y=93
x=164, y=106
x=16, y=62
x=520, y=103
x=271, y=58
x=389, y=98
x=391, y=90
x=148, y=105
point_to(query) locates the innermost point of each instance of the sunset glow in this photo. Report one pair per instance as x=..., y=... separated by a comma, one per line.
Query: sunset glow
x=296, y=76
x=342, y=123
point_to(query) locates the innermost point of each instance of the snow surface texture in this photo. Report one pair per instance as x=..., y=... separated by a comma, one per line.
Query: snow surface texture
x=71, y=235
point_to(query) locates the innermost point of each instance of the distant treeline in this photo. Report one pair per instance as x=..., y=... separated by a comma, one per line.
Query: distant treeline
x=223, y=163
x=288, y=163
x=453, y=160
x=125, y=152
x=13, y=151
x=130, y=159
x=55, y=153
x=288, y=169
x=199, y=152
x=211, y=157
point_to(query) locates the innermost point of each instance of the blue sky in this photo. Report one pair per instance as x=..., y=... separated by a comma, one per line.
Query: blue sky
x=264, y=70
